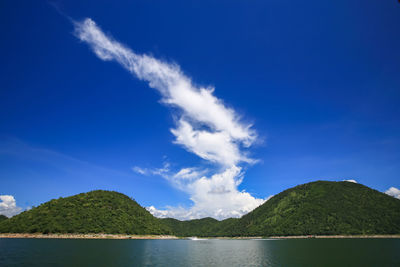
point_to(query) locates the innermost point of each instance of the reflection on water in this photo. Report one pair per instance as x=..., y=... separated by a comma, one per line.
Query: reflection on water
x=212, y=252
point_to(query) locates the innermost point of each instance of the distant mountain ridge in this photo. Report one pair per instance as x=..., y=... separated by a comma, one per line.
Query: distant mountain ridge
x=205, y=227
x=316, y=208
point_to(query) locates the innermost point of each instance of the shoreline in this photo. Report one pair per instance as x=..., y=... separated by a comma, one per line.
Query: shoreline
x=85, y=236
x=167, y=237
x=334, y=236
x=307, y=237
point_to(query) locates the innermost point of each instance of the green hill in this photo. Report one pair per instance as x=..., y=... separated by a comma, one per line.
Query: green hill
x=324, y=208
x=92, y=212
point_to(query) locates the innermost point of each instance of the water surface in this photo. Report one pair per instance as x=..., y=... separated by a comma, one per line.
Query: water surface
x=294, y=252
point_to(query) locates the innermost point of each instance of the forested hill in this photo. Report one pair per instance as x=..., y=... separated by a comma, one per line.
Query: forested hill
x=317, y=208
x=92, y=212
x=2, y=218
x=324, y=208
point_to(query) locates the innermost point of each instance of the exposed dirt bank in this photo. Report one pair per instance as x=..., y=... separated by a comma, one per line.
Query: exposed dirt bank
x=87, y=236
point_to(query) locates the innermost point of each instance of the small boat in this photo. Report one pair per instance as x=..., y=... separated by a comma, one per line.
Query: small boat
x=195, y=238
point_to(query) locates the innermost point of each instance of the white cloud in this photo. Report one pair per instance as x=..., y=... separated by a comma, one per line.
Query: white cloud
x=158, y=213
x=216, y=196
x=205, y=126
x=189, y=174
x=351, y=181
x=214, y=146
x=394, y=192
x=8, y=206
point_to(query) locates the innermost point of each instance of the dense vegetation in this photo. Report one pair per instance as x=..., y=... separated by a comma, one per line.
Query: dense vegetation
x=201, y=227
x=198, y=227
x=3, y=217
x=317, y=208
x=93, y=212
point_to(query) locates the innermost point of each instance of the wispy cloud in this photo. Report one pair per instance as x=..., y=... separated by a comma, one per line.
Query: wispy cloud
x=205, y=126
x=140, y=170
x=198, y=106
x=189, y=174
x=14, y=147
x=164, y=171
x=8, y=206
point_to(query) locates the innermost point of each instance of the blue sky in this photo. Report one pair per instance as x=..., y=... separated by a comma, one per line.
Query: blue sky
x=318, y=81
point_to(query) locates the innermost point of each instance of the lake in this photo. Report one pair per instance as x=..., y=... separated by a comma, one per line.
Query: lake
x=212, y=252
